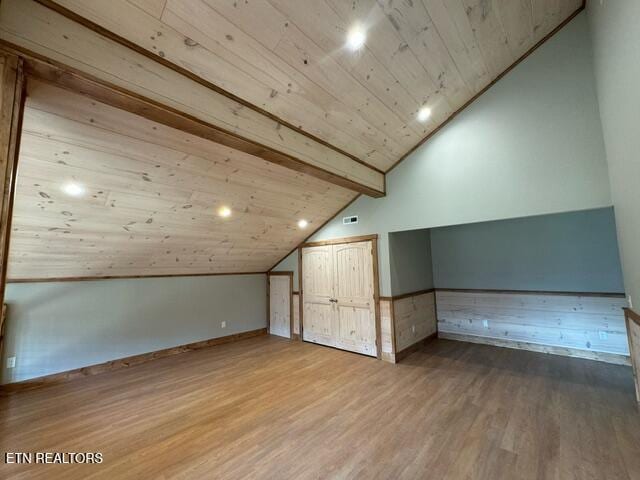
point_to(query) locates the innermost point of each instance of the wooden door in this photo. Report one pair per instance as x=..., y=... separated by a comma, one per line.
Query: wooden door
x=338, y=295
x=354, y=292
x=280, y=304
x=317, y=290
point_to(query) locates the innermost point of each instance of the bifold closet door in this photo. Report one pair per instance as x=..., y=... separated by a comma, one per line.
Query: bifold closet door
x=338, y=296
x=280, y=305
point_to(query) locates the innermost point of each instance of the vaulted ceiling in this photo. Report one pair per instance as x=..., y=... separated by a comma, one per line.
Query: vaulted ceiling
x=146, y=197
x=275, y=73
x=289, y=58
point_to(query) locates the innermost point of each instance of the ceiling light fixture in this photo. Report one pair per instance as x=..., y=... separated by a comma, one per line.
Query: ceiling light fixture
x=224, y=212
x=73, y=189
x=356, y=37
x=302, y=223
x=423, y=114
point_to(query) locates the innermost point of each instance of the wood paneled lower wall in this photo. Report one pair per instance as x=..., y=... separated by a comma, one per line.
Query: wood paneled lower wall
x=580, y=325
x=406, y=321
x=125, y=362
x=632, y=320
x=296, y=315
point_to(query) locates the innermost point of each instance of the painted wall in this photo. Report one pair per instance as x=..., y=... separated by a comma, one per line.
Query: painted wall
x=290, y=263
x=410, y=261
x=531, y=145
x=53, y=327
x=567, y=252
x=616, y=51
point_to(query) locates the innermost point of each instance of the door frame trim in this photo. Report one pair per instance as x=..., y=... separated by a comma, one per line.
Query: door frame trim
x=376, y=280
x=338, y=241
x=287, y=273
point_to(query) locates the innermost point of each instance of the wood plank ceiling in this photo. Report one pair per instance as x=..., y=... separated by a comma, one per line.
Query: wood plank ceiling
x=289, y=57
x=150, y=199
x=149, y=193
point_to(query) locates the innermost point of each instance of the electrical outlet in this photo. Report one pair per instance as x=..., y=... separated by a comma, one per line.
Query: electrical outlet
x=485, y=323
x=413, y=329
x=11, y=362
x=602, y=334
x=223, y=324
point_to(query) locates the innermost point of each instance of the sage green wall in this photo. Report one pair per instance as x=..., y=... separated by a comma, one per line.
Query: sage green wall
x=566, y=252
x=290, y=264
x=410, y=261
x=615, y=34
x=531, y=145
x=58, y=326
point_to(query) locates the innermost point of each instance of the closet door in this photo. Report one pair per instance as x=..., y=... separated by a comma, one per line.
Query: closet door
x=318, y=312
x=354, y=295
x=280, y=304
x=338, y=296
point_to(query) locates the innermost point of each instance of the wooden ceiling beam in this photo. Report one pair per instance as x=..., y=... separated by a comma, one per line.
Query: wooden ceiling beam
x=59, y=50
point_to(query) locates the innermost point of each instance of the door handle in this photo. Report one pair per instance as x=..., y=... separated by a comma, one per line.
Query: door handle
x=333, y=300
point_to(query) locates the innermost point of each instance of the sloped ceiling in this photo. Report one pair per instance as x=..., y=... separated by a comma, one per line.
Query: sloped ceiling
x=148, y=197
x=289, y=57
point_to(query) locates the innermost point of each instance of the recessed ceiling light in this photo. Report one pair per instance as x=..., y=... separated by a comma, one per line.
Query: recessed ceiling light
x=73, y=189
x=224, y=212
x=356, y=36
x=302, y=223
x=423, y=114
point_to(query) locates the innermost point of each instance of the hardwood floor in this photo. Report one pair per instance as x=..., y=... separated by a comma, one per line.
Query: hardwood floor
x=270, y=408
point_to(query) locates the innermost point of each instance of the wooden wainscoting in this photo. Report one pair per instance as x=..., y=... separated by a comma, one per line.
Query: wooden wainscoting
x=125, y=362
x=573, y=324
x=296, y=316
x=407, y=322
x=387, y=340
x=632, y=320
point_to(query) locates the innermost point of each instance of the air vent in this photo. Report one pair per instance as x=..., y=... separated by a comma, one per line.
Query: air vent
x=349, y=220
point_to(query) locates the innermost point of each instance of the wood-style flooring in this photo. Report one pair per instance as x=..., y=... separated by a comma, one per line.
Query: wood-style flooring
x=270, y=408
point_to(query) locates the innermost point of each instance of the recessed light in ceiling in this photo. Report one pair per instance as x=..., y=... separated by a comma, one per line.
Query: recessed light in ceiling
x=303, y=223
x=423, y=114
x=224, y=211
x=356, y=36
x=73, y=189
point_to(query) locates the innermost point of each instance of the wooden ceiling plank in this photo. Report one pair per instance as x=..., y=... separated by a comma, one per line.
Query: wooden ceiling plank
x=152, y=7
x=252, y=221
x=490, y=35
x=288, y=91
x=326, y=28
x=54, y=36
x=129, y=171
x=544, y=14
x=452, y=24
x=152, y=160
x=175, y=40
x=272, y=90
x=515, y=17
x=45, y=161
x=390, y=49
x=128, y=224
x=300, y=52
x=415, y=26
x=200, y=203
